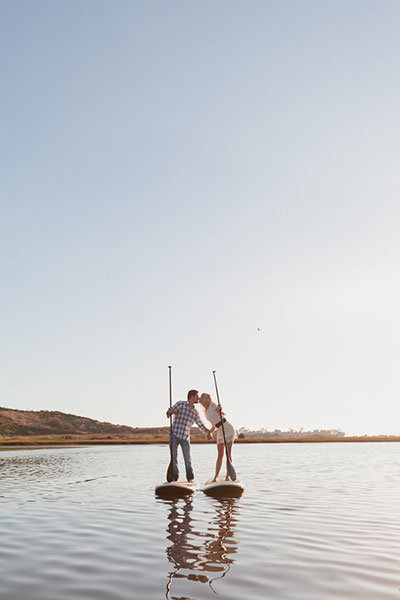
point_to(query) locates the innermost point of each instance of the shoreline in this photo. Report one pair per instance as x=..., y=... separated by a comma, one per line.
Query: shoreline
x=60, y=441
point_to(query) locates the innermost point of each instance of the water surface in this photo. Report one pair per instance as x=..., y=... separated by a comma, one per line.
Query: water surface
x=317, y=521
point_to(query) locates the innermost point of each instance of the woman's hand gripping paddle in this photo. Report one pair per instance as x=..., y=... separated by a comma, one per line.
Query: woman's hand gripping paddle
x=170, y=471
x=231, y=470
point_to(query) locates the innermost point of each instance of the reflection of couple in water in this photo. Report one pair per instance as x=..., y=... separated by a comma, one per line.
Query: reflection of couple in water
x=185, y=415
x=197, y=561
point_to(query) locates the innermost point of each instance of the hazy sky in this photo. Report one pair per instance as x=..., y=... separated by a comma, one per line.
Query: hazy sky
x=176, y=175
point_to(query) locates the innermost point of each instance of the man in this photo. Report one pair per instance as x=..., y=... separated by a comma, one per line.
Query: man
x=185, y=414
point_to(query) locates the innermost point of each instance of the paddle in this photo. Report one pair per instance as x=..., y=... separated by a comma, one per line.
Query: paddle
x=231, y=470
x=170, y=471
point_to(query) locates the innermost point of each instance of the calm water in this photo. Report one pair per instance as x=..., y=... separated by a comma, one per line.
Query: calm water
x=317, y=521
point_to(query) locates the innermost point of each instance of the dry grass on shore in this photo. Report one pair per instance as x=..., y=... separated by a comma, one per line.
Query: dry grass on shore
x=73, y=440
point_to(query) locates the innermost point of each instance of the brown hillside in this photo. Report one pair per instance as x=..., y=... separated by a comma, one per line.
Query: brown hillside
x=44, y=422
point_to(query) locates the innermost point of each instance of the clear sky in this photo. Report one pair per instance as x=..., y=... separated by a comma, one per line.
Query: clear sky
x=177, y=175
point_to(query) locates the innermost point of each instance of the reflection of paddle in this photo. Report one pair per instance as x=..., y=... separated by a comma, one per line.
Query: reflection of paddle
x=170, y=471
x=231, y=470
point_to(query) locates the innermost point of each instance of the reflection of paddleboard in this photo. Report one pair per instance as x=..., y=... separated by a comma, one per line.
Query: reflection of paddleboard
x=175, y=489
x=223, y=489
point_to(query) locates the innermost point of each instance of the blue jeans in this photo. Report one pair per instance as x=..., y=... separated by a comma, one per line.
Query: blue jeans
x=185, y=445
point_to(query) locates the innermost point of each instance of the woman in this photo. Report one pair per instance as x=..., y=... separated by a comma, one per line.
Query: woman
x=216, y=417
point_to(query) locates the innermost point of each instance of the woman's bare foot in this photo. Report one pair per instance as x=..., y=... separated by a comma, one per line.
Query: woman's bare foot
x=227, y=478
x=214, y=480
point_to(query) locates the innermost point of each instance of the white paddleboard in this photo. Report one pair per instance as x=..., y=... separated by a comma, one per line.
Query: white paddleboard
x=223, y=489
x=175, y=489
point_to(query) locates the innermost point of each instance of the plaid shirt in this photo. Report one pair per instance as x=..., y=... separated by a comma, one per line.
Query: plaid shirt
x=184, y=417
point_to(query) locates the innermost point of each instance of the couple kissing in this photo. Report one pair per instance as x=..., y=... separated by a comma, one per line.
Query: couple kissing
x=185, y=414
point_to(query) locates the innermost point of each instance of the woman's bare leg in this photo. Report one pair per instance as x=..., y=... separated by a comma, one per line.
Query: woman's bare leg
x=229, y=452
x=220, y=457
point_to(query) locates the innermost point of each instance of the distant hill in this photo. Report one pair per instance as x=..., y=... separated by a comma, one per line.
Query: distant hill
x=44, y=422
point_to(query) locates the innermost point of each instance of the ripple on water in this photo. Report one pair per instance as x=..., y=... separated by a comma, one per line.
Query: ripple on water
x=317, y=521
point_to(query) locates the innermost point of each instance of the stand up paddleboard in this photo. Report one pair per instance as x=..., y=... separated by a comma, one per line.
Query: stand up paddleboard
x=175, y=489
x=223, y=489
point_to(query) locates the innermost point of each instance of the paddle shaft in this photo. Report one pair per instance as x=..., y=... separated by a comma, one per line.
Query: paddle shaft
x=170, y=470
x=231, y=470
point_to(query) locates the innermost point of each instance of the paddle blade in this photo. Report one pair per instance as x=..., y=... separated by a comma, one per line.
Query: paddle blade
x=231, y=471
x=170, y=472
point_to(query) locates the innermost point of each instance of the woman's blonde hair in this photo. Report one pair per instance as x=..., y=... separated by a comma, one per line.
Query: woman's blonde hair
x=210, y=402
x=206, y=398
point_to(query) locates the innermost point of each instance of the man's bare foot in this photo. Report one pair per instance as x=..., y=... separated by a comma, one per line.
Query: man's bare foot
x=227, y=478
x=214, y=480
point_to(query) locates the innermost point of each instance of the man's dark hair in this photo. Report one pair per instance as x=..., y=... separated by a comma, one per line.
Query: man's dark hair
x=192, y=393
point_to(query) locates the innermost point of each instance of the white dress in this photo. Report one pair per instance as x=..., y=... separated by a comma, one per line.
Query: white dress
x=214, y=416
